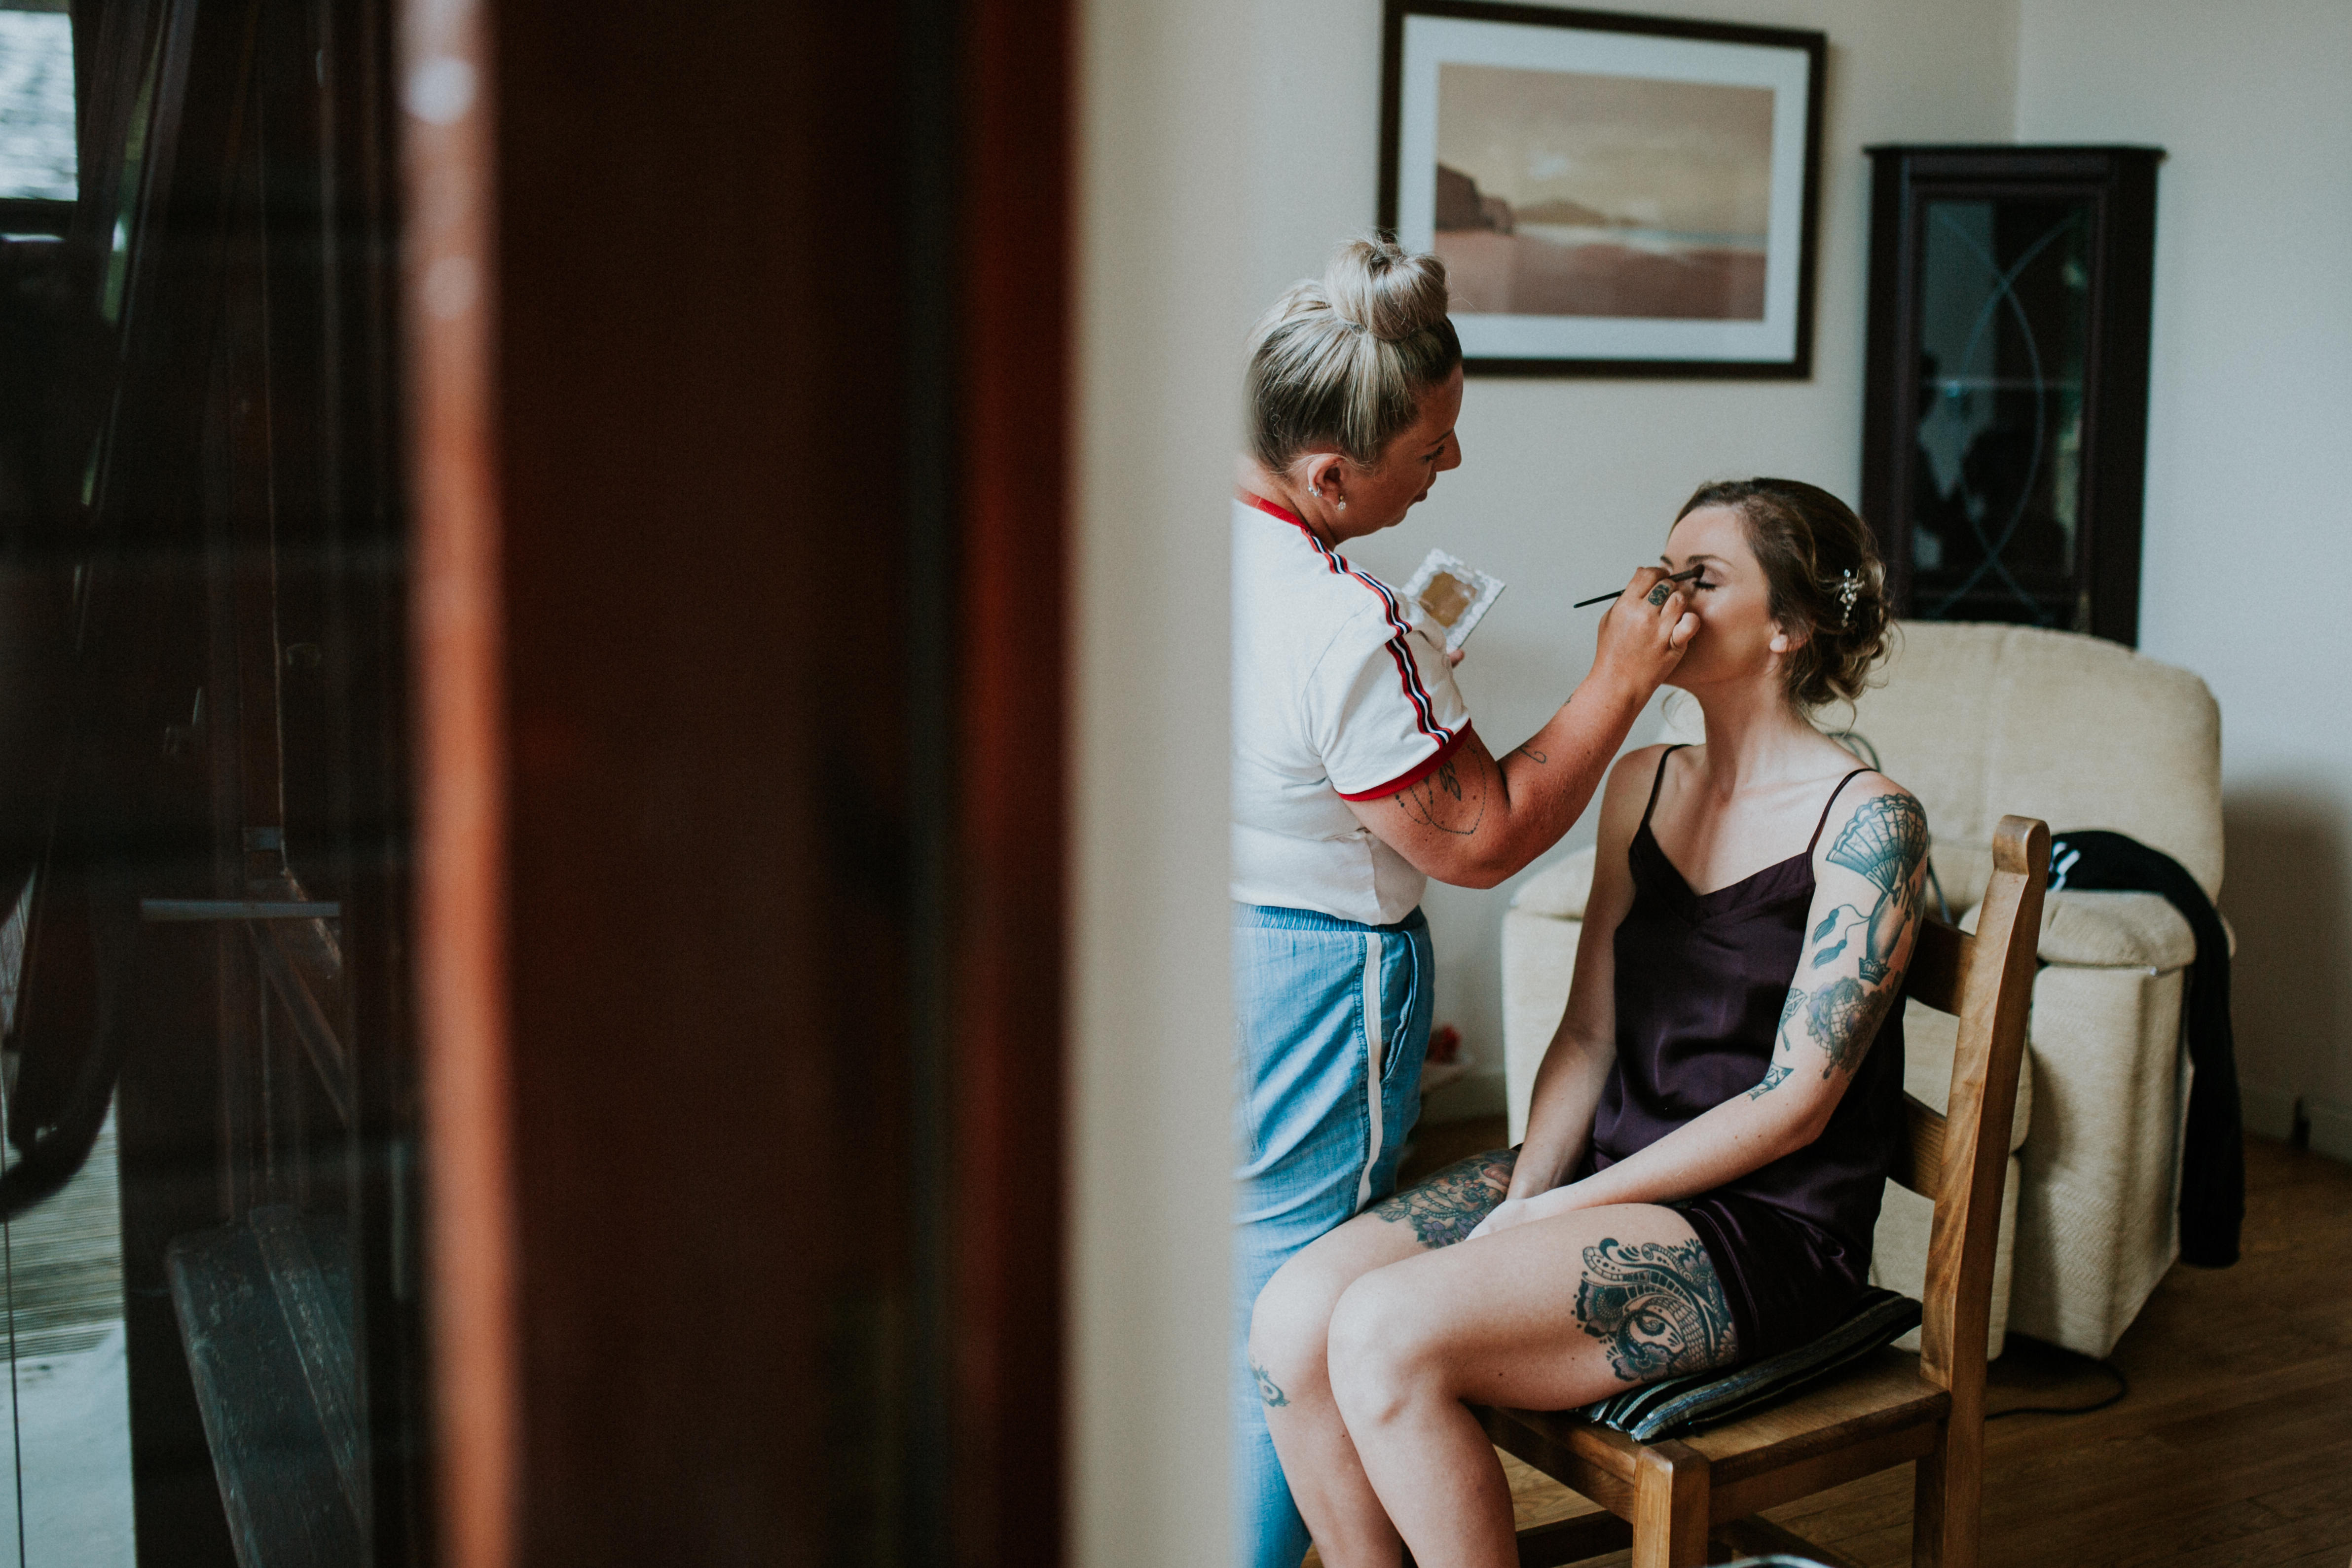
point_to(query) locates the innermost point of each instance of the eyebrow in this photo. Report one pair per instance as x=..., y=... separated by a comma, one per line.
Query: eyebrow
x=1695, y=559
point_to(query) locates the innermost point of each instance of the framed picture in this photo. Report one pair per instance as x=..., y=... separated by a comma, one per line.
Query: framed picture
x=1612, y=195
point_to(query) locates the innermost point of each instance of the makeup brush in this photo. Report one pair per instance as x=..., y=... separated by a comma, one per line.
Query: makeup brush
x=1605, y=598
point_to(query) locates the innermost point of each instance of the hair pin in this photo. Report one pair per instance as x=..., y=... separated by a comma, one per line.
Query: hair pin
x=1849, y=588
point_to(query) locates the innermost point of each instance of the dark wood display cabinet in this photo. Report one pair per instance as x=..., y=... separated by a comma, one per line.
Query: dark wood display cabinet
x=2005, y=423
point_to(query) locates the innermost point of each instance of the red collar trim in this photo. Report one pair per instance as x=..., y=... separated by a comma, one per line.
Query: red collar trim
x=1271, y=510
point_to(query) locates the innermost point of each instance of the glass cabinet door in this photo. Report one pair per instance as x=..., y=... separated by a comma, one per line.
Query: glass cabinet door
x=2005, y=409
x=2003, y=333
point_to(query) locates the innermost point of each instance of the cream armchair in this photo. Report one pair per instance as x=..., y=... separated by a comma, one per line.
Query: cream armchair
x=1977, y=721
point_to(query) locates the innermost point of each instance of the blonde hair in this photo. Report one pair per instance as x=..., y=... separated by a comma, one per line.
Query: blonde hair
x=1346, y=362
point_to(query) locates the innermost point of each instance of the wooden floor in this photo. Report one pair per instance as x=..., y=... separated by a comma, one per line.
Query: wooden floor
x=2234, y=1446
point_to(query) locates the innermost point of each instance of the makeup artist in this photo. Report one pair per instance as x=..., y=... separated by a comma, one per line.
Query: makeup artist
x=1358, y=776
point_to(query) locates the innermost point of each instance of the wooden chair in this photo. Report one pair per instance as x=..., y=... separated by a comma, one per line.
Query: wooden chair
x=1677, y=1501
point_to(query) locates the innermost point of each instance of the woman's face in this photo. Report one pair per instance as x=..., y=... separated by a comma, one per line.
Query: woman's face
x=1737, y=639
x=1379, y=497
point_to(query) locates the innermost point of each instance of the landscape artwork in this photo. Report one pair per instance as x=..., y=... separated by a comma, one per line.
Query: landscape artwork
x=1566, y=193
x=1611, y=195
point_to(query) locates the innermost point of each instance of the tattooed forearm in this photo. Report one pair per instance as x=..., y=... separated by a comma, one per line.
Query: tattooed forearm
x=1448, y=1207
x=1773, y=1077
x=1656, y=1306
x=1267, y=1388
x=1452, y=799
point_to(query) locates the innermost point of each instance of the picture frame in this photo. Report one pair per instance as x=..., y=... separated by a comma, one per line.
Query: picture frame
x=1613, y=194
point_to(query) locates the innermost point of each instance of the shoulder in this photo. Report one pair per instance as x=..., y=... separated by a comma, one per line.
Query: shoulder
x=1873, y=824
x=1627, y=791
x=1633, y=772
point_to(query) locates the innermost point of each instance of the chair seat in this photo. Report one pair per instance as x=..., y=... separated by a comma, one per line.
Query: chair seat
x=1878, y=1413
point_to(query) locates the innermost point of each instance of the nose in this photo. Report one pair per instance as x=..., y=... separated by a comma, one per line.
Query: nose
x=1451, y=457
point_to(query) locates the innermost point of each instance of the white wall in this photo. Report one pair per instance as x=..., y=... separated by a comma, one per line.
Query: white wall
x=1164, y=300
x=1567, y=486
x=2250, y=431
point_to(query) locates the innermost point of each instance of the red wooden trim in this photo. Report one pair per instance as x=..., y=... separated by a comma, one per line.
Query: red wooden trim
x=1419, y=771
x=461, y=884
x=1008, y=1209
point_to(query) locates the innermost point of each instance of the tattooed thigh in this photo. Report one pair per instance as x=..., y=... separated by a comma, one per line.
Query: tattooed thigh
x=1656, y=1306
x=1448, y=1207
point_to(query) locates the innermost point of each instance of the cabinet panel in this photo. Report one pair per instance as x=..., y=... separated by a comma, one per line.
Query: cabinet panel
x=2005, y=425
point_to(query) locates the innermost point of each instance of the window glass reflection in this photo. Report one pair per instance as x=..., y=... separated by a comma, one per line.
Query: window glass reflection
x=38, y=158
x=207, y=1264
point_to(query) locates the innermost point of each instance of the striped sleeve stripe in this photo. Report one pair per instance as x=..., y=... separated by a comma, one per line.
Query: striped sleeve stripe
x=1424, y=710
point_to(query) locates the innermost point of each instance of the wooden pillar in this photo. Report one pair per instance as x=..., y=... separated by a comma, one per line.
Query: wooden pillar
x=738, y=338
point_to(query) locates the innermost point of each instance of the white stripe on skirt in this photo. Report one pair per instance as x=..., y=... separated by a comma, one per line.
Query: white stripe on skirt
x=1374, y=1045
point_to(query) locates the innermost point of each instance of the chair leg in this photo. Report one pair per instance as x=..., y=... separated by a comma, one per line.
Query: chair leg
x=1947, y=1499
x=1670, y=1506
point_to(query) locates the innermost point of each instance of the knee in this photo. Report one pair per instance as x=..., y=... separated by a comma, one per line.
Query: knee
x=1291, y=1320
x=1386, y=1349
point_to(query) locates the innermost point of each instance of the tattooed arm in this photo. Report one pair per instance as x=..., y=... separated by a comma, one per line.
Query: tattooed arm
x=1476, y=821
x=1869, y=870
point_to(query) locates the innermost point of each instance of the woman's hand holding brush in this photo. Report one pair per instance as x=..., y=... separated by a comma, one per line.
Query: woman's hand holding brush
x=1659, y=590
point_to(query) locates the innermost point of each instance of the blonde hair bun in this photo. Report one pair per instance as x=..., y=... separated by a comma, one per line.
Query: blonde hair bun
x=1346, y=362
x=1380, y=288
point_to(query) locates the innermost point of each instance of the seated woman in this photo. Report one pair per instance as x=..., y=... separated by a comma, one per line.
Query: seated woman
x=1711, y=1129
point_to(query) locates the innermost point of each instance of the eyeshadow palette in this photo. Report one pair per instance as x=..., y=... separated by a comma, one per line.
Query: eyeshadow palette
x=1454, y=594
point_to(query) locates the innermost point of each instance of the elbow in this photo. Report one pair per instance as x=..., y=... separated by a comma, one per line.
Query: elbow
x=1482, y=867
x=1483, y=874
x=1804, y=1130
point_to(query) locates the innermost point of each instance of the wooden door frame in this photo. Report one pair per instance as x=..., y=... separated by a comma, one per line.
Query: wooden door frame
x=999, y=1205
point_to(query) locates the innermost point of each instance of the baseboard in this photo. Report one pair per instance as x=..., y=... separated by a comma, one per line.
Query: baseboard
x=2267, y=1109
x=1478, y=1094
x=2331, y=1127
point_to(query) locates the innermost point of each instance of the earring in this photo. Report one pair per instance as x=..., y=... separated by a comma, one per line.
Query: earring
x=1312, y=490
x=1343, y=506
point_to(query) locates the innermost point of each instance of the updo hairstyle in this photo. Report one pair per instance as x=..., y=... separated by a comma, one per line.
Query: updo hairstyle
x=1825, y=576
x=1345, y=362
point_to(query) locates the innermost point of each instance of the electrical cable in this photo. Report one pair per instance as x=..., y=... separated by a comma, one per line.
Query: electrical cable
x=2109, y=1367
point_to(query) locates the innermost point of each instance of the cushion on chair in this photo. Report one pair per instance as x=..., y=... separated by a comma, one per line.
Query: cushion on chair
x=1680, y=1405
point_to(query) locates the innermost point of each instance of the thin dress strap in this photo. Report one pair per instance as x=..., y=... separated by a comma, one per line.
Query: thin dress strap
x=1656, y=784
x=1825, y=809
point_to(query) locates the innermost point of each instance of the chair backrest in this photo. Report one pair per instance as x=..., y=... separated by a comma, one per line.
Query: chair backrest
x=1959, y=1160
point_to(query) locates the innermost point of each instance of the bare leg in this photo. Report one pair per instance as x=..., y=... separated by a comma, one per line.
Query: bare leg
x=1289, y=1350
x=1546, y=1316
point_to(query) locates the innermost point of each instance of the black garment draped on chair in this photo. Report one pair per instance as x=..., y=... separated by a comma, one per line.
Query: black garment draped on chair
x=2213, y=1152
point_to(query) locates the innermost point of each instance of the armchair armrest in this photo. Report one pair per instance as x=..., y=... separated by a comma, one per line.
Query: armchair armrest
x=1560, y=889
x=2111, y=931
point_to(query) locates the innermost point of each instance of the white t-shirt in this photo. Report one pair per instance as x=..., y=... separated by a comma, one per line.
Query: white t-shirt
x=1338, y=696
